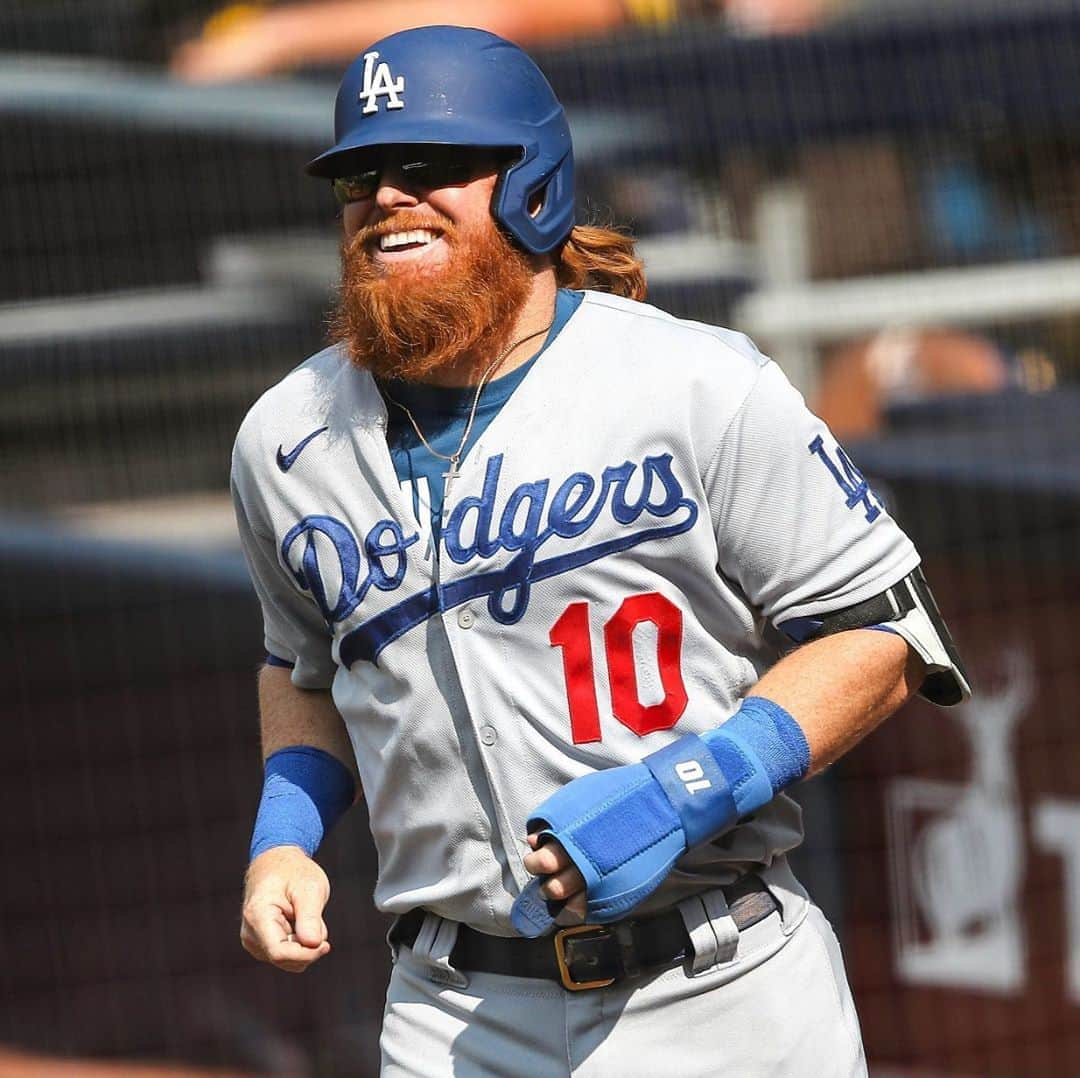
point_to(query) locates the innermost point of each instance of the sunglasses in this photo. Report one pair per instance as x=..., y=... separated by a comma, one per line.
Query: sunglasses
x=427, y=167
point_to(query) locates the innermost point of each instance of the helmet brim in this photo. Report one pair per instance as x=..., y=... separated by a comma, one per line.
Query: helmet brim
x=334, y=162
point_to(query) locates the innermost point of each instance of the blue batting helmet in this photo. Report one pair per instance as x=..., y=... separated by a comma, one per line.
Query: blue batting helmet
x=461, y=87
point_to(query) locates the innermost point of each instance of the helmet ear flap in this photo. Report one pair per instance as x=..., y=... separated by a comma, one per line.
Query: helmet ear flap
x=534, y=202
x=532, y=206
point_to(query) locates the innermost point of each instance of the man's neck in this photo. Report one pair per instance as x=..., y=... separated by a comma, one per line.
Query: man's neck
x=524, y=341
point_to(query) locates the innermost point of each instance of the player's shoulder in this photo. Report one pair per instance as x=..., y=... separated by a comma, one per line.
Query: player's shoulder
x=690, y=340
x=315, y=393
x=679, y=358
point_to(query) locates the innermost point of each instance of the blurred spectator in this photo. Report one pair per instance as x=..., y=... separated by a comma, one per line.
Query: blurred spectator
x=246, y=41
x=860, y=380
x=968, y=220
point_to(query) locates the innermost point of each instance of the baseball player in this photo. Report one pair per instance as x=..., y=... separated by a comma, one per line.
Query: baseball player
x=572, y=591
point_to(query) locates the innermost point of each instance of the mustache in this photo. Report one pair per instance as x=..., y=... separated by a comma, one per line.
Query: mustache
x=369, y=236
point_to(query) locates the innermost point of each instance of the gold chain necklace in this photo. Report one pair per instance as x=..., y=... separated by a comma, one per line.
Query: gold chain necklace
x=455, y=457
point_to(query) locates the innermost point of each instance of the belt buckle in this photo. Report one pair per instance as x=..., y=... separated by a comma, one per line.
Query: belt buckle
x=560, y=938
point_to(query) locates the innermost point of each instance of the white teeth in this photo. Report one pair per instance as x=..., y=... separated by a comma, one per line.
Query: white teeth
x=402, y=239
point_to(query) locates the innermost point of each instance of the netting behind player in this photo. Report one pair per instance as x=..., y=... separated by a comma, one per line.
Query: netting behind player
x=888, y=204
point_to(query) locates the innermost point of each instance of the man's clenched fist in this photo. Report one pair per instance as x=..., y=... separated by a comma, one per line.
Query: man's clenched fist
x=284, y=897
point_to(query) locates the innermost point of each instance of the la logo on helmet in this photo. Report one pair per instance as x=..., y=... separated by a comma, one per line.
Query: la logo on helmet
x=377, y=83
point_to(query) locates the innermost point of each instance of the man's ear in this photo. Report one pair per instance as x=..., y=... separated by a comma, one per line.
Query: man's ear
x=536, y=201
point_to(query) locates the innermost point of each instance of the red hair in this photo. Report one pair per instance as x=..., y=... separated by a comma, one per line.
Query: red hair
x=601, y=258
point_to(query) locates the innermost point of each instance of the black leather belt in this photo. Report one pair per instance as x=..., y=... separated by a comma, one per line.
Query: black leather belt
x=592, y=956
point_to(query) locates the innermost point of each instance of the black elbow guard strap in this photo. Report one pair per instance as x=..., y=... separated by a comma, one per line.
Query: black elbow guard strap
x=909, y=609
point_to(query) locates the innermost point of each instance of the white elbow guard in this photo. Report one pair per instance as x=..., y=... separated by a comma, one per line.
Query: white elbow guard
x=909, y=610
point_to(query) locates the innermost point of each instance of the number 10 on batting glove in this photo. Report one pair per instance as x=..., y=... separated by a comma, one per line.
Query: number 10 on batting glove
x=624, y=828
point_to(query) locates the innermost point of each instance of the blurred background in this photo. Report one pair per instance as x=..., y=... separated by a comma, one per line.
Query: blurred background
x=885, y=194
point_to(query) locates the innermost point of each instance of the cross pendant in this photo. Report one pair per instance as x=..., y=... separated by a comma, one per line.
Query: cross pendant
x=453, y=473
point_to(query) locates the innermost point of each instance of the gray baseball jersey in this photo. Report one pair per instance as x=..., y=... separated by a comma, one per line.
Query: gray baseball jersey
x=622, y=542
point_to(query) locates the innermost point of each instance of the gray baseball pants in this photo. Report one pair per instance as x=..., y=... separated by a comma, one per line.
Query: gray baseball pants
x=774, y=1001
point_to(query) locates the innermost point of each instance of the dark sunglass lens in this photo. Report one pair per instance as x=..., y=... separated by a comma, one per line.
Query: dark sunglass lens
x=443, y=167
x=352, y=188
x=461, y=169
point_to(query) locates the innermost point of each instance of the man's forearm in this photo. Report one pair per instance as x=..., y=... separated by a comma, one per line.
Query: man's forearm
x=310, y=777
x=285, y=890
x=291, y=716
x=840, y=687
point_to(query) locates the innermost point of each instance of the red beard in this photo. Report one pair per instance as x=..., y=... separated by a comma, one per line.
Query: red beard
x=409, y=323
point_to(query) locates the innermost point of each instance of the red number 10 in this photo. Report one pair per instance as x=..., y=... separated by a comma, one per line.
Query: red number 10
x=571, y=633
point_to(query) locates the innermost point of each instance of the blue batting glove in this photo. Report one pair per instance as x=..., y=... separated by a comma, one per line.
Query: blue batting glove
x=624, y=828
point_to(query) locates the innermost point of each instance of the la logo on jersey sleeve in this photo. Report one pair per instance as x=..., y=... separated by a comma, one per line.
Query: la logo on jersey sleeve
x=848, y=478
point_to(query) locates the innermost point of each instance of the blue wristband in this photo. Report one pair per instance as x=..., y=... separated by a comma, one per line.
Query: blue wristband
x=762, y=750
x=305, y=792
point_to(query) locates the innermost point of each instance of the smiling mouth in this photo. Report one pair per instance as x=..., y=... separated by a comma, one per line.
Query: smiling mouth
x=415, y=239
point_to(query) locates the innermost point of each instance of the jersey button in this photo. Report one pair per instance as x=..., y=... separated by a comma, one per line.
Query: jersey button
x=466, y=618
x=488, y=735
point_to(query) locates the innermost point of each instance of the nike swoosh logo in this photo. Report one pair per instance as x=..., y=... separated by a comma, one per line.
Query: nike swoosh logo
x=286, y=460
